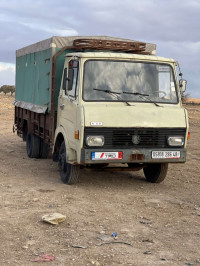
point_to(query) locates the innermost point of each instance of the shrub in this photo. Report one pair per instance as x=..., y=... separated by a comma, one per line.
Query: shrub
x=7, y=89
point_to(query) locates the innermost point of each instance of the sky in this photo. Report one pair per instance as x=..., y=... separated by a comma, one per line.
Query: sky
x=173, y=25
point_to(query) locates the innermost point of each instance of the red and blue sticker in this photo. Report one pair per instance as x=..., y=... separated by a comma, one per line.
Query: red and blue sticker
x=107, y=155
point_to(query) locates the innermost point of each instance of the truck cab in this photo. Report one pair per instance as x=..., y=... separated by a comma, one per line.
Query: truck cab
x=119, y=111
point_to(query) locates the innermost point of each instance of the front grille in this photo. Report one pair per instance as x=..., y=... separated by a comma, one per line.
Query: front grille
x=126, y=138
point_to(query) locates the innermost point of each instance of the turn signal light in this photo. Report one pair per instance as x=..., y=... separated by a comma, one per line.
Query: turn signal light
x=188, y=137
x=76, y=134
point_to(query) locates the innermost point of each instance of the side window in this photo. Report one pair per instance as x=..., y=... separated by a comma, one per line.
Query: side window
x=65, y=80
x=72, y=78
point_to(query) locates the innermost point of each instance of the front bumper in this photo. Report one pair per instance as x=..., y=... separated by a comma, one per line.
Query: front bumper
x=132, y=156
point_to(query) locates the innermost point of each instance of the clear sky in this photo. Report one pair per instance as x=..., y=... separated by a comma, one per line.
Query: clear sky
x=174, y=25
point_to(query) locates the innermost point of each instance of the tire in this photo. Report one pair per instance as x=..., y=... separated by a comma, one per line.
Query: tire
x=44, y=149
x=24, y=135
x=69, y=173
x=33, y=146
x=156, y=173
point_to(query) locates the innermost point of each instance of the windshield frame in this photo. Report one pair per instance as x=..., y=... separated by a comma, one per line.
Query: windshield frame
x=138, y=100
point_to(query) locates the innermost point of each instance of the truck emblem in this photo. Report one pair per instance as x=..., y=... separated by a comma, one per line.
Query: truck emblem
x=136, y=139
x=96, y=123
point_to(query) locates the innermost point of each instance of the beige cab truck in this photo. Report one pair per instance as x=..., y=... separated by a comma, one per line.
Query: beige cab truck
x=113, y=106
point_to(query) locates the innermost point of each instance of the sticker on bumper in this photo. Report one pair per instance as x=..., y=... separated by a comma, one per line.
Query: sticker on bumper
x=107, y=155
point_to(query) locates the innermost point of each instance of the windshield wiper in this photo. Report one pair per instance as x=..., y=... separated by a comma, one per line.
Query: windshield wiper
x=142, y=95
x=114, y=93
x=136, y=93
x=107, y=91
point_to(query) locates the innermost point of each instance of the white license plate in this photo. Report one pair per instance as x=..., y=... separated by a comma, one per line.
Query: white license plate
x=166, y=154
x=107, y=155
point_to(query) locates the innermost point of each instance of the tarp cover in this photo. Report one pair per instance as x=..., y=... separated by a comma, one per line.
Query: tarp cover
x=30, y=106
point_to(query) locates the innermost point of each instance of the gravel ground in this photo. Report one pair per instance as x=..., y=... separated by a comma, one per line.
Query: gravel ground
x=156, y=224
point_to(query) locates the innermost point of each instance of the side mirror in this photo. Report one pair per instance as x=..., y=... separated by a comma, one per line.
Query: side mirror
x=64, y=79
x=70, y=79
x=182, y=85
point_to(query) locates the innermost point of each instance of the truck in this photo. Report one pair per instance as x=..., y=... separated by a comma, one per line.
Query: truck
x=100, y=103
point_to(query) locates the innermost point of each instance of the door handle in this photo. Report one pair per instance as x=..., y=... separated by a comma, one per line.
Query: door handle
x=62, y=106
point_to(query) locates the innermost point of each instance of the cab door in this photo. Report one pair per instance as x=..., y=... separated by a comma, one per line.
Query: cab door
x=69, y=100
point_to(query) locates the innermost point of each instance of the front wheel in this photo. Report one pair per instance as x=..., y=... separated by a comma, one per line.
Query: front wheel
x=69, y=173
x=156, y=173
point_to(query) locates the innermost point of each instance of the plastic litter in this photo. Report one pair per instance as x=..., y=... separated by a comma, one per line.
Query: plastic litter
x=43, y=258
x=114, y=234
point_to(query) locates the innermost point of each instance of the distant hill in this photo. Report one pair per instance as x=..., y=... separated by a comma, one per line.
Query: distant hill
x=192, y=100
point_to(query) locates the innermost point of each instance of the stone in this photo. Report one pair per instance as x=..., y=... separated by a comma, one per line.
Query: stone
x=54, y=218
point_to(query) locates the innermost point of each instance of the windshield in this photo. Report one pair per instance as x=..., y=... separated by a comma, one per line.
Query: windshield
x=132, y=81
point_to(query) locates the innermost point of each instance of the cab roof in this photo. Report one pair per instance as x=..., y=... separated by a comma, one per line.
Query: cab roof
x=119, y=56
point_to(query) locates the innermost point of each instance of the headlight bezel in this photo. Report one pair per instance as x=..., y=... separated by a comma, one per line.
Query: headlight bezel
x=90, y=139
x=176, y=141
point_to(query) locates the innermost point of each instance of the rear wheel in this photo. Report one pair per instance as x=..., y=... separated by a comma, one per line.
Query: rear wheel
x=24, y=135
x=69, y=173
x=156, y=173
x=33, y=146
x=44, y=149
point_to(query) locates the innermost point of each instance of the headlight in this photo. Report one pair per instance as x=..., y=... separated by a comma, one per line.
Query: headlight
x=175, y=141
x=93, y=141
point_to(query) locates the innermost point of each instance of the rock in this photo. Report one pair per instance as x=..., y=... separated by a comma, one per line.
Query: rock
x=78, y=246
x=95, y=263
x=148, y=240
x=30, y=242
x=147, y=252
x=124, y=231
x=35, y=199
x=145, y=222
x=54, y=218
x=94, y=211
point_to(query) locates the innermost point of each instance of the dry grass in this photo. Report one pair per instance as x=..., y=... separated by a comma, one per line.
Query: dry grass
x=192, y=100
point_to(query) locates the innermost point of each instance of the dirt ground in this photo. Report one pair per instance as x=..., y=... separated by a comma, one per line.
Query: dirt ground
x=156, y=224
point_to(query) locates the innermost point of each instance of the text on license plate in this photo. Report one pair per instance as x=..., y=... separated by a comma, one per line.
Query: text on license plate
x=107, y=155
x=166, y=154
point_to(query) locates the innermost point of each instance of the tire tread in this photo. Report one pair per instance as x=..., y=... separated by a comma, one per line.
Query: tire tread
x=156, y=173
x=71, y=175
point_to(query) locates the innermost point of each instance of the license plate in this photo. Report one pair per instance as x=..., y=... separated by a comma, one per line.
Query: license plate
x=107, y=155
x=166, y=154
